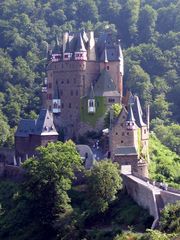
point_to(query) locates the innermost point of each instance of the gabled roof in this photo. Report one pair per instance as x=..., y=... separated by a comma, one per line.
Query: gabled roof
x=130, y=116
x=25, y=126
x=42, y=126
x=125, y=151
x=104, y=85
x=80, y=44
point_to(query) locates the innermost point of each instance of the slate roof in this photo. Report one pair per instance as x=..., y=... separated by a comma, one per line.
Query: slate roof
x=125, y=150
x=56, y=48
x=25, y=126
x=80, y=44
x=105, y=86
x=137, y=110
x=130, y=116
x=87, y=154
x=68, y=49
x=42, y=126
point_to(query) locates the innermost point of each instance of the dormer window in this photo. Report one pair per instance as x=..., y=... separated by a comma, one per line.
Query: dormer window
x=91, y=106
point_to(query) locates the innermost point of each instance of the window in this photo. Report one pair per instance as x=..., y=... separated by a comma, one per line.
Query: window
x=66, y=56
x=127, y=133
x=62, y=82
x=111, y=100
x=71, y=93
x=122, y=141
x=62, y=105
x=144, y=131
x=67, y=81
x=76, y=92
x=116, y=133
x=122, y=133
x=121, y=124
x=107, y=68
x=69, y=105
x=91, y=103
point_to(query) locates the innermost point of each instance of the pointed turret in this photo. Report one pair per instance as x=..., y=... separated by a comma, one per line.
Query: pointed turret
x=80, y=44
x=120, y=58
x=138, y=112
x=80, y=52
x=56, y=55
x=67, y=53
x=44, y=124
x=130, y=121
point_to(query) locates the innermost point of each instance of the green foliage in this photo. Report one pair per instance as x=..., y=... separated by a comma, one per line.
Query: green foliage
x=169, y=136
x=170, y=218
x=103, y=183
x=164, y=164
x=116, y=109
x=93, y=117
x=42, y=206
x=150, y=37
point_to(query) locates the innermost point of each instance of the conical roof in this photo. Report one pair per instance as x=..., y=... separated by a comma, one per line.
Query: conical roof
x=130, y=116
x=67, y=50
x=80, y=44
x=56, y=48
x=91, y=92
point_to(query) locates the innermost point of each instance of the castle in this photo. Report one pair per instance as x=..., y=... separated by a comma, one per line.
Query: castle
x=84, y=79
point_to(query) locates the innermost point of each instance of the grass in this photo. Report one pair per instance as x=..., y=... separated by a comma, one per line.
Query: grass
x=92, y=118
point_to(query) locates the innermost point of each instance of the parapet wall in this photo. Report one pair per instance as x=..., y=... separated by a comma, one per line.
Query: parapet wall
x=141, y=194
x=169, y=197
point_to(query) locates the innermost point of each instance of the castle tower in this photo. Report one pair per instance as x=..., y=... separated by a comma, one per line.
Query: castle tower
x=128, y=138
x=83, y=62
x=80, y=52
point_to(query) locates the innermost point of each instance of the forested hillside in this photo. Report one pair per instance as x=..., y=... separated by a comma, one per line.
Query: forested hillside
x=150, y=35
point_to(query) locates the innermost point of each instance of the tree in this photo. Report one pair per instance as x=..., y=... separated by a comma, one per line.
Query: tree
x=104, y=181
x=116, y=109
x=170, y=218
x=43, y=201
x=149, y=16
x=154, y=235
